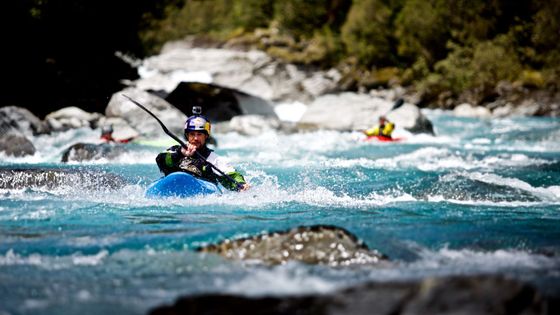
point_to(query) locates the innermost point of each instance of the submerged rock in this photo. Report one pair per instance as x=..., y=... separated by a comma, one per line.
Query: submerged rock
x=319, y=244
x=81, y=152
x=52, y=178
x=448, y=295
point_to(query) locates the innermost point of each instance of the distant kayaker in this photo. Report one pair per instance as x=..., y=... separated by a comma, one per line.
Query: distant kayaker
x=179, y=159
x=107, y=135
x=383, y=129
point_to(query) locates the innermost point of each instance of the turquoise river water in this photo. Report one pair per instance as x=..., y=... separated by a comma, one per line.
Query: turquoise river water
x=480, y=197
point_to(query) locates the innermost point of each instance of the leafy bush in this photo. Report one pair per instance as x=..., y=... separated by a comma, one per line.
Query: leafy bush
x=422, y=29
x=367, y=33
x=475, y=69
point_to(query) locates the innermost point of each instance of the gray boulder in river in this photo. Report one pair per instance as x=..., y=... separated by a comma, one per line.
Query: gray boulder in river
x=16, y=126
x=319, y=244
x=53, y=178
x=81, y=152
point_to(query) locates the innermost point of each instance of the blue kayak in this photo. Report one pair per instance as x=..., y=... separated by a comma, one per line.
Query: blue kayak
x=180, y=184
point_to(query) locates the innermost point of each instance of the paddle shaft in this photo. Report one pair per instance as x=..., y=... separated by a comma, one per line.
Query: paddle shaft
x=184, y=145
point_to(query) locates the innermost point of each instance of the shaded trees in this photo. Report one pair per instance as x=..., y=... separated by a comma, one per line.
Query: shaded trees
x=435, y=46
x=62, y=53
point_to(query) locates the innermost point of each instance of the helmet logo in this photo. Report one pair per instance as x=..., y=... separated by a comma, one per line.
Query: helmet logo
x=197, y=123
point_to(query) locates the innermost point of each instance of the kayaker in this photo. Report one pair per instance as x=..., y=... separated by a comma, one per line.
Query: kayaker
x=179, y=159
x=383, y=129
x=107, y=135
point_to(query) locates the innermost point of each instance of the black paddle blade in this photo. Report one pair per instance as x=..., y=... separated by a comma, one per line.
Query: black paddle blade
x=398, y=104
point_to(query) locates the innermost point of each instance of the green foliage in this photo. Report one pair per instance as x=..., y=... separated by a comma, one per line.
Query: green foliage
x=251, y=14
x=472, y=20
x=194, y=17
x=328, y=46
x=367, y=33
x=422, y=29
x=302, y=18
x=544, y=39
x=474, y=68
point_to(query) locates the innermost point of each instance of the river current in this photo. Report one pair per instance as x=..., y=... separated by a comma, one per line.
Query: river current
x=479, y=197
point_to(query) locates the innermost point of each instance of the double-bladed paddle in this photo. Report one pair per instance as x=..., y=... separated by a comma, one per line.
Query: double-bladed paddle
x=397, y=104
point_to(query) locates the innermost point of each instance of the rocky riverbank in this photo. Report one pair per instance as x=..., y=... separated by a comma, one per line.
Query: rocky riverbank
x=240, y=91
x=241, y=94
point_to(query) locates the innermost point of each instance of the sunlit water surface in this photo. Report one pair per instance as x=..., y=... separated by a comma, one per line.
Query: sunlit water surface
x=480, y=197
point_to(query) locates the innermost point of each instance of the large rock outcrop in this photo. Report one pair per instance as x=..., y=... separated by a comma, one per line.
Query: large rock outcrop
x=252, y=72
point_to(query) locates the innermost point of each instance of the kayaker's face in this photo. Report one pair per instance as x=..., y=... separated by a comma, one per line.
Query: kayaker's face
x=197, y=138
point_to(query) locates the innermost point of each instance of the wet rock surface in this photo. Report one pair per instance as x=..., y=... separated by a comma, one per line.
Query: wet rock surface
x=319, y=244
x=17, y=125
x=484, y=294
x=81, y=152
x=16, y=144
x=52, y=178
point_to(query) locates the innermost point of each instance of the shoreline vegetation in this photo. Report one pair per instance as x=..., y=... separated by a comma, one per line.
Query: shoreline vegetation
x=444, y=53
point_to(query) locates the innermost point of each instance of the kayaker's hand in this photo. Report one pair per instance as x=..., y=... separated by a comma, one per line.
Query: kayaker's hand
x=244, y=187
x=189, y=151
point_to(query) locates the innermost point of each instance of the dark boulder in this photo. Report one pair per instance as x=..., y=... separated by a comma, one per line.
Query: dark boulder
x=15, y=124
x=218, y=103
x=81, y=152
x=319, y=244
x=447, y=295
